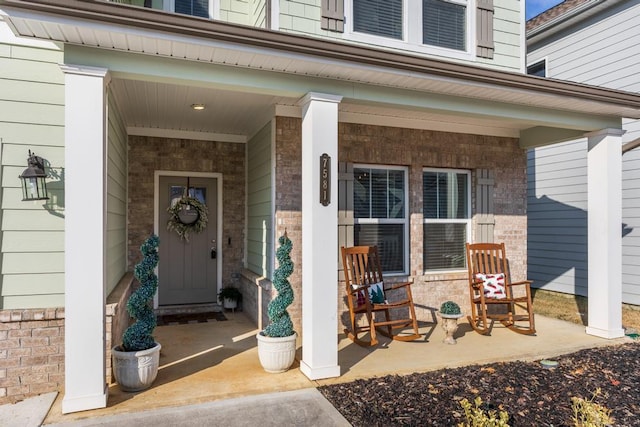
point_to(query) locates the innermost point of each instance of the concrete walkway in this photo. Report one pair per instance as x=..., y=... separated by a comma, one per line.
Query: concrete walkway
x=210, y=374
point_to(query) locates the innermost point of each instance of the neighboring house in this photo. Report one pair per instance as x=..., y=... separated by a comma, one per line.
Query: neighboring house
x=597, y=43
x=425, y=131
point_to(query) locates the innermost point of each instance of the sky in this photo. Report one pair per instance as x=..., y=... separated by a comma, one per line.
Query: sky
x=535, y=7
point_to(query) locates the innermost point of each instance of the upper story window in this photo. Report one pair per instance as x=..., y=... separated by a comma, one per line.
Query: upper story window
x=380, y=213
x=538, y=69
x=378, y=17
x=427, y=25
x=447, y=218
x=209, y=9
x=193, y=7
x=444, y=24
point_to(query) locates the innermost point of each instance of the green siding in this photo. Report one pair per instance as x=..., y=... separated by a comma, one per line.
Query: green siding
x=20, y=284
x=33, y=263
x=258, y=13
x=303, y=17
x=32, y=241
x=235, y=11
x=507, y=29
x=31, y=233
x=32, y=133
x=259, y=203
x=116, y=256
x=32, y=301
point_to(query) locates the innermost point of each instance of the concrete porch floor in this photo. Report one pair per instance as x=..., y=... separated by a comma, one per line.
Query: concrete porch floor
x=218, y=360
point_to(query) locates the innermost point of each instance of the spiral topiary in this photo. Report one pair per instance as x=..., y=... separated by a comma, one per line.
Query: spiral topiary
x=281, y=325
x=138, y=337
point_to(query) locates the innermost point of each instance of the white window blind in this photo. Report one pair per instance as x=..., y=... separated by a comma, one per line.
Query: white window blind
x=444, y=24
x=193, y=7
x=378, y=17
x=446, y=219
x=379, y=205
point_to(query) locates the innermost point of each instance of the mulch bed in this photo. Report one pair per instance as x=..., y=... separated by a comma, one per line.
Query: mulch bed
x=531, y=394
x=180, y=319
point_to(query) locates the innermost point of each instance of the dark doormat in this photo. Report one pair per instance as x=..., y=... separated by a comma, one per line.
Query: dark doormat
x=183, y=318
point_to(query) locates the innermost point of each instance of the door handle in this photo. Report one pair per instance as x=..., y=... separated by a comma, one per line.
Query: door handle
x=214, y=253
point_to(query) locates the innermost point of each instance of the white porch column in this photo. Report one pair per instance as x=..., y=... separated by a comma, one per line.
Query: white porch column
x=85, y=227
x=604, y=211
x=319, y=238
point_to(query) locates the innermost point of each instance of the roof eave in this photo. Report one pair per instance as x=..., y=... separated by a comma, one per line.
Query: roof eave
x=124, y=15
x=564, y=20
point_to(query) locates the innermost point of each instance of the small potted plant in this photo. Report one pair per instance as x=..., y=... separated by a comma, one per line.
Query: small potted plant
x=136, y=361
x=277, y=342
x=229, y=296
x=450, y=313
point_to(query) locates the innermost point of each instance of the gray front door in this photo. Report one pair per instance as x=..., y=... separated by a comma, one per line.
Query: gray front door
x=187, y=271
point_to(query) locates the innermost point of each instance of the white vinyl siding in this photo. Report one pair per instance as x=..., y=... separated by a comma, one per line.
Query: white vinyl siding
x=32, y=245
x=557, y=217
x=631, y=217
x=116, y=239
x=260, y=203
x=602, y=50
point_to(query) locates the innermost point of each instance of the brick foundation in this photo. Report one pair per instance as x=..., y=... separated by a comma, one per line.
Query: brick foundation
x=31, y=353
x=32, y=345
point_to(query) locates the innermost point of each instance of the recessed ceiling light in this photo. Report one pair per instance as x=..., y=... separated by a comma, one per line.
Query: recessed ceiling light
x=198, y=107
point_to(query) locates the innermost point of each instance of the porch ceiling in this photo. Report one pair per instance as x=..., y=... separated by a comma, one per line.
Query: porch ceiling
x=151, y=108
x=162, y=105
x=229, y=116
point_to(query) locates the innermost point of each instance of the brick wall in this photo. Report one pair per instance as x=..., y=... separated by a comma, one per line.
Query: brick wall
x=31, y=353
x=32, y=345
x=414, y=149
x=148, y=154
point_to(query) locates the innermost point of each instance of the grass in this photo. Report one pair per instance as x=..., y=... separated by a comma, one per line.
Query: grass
x=573, y=308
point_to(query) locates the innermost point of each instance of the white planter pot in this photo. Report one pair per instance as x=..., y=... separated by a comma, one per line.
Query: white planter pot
x=276, y=354
x=229, y=303
x=135, y=370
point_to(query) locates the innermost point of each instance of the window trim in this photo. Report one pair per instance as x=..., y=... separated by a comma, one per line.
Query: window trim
x=405, y=221
x=536, y=63
x=412, y=31
x=468, y=220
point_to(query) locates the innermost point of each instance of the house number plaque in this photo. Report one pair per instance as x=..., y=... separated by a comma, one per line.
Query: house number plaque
x=325, y=179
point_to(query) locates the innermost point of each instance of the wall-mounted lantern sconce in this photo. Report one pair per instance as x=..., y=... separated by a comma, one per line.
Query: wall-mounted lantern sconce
x=34, y=186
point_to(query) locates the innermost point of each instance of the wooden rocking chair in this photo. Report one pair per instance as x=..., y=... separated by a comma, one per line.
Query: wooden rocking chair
x=491, y=291
x=366, y=295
